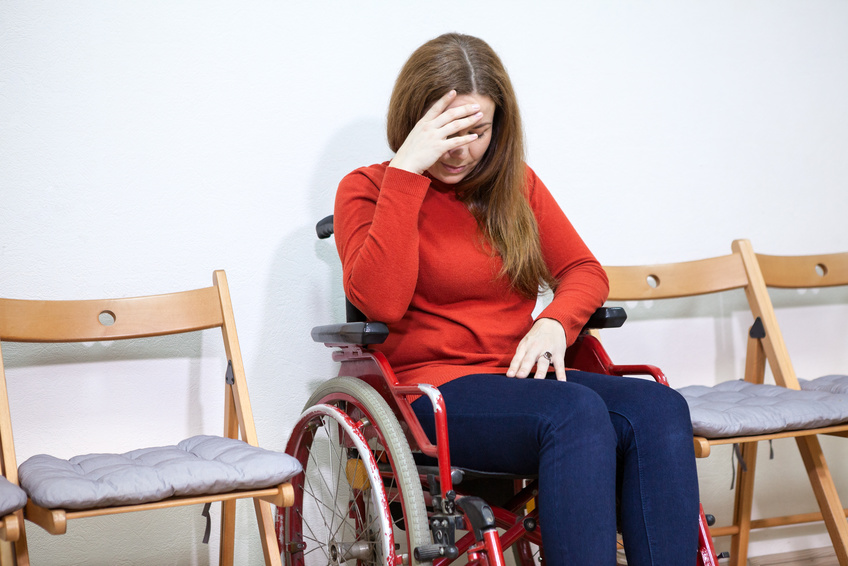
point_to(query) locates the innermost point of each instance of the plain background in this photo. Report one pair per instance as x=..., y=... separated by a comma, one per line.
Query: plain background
x=145, y=144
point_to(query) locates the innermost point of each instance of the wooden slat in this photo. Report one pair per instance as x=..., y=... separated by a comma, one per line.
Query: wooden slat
x=805, y=271
x=671, y=280
x=8, y=462
x=835, y=429
x=743, y=502
x=783, y=521
x=762, y=308
x=54, y=521
x=136, y=317
x=826, y=494
x=240, y=396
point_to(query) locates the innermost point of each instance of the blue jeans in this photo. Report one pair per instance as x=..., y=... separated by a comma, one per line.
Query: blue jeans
x=591, y=439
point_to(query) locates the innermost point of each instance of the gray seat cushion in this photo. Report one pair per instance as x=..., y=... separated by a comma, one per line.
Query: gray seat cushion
x=12, y=497
x=738, y=408
x=196, y=466
x=830, y=383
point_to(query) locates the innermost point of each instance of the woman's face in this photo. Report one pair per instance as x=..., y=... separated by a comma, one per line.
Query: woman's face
x=453, y=166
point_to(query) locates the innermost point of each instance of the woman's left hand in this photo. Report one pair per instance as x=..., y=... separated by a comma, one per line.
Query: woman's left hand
x=546, y=335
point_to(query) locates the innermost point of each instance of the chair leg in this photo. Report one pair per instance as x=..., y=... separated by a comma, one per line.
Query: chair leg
x=7, y=553
x=228, y=533
x=21, y=548
x=267, y=534
x=828, y=499
x=743, y=504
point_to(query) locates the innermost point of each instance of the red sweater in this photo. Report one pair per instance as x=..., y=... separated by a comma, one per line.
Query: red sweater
x=413, y=257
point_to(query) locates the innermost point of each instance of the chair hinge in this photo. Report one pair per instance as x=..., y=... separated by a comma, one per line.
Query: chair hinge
x=230, y=378
x=758, y=331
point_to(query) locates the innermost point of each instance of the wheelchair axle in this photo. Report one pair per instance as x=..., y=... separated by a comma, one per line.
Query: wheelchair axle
x=342, y=552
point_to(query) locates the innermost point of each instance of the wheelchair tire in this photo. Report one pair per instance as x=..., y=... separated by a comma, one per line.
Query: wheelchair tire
x=391, y=451
x=340, y=512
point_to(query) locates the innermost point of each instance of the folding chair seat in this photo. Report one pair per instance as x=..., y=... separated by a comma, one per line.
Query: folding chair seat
x=835, y=383
x=740, y=408
x=199, y=470
x=745, y=412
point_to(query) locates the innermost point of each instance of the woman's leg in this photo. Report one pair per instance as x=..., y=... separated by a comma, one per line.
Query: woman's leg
x=657, y=476
x=560, y=430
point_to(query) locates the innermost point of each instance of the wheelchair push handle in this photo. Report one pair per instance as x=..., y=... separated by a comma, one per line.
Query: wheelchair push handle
x=324, y=228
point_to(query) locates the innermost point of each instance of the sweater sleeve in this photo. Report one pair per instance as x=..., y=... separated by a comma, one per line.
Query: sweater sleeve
x=583, y=284
x=375, y=222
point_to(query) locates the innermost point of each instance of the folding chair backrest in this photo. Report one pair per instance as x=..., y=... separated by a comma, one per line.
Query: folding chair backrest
x=738, y=270
x=109, y=319
x=805, y=271
x=128, y=318
x=674, y=280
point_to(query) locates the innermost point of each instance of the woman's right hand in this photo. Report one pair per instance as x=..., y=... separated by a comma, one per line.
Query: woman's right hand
x=436, y=133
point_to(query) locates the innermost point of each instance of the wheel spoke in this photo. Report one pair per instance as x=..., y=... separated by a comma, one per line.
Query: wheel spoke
x=315, y=496
x=338, y=507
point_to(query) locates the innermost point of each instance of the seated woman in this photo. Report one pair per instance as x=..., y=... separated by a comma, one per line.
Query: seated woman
x=449, y=244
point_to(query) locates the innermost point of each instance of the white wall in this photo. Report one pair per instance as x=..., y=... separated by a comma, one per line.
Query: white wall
x=144, y=144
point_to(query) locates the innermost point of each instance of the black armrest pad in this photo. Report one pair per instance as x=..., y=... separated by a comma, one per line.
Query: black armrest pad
x=351, y=333
x=607, y=317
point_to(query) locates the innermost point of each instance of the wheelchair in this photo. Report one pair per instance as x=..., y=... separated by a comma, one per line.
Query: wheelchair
x=366, y=492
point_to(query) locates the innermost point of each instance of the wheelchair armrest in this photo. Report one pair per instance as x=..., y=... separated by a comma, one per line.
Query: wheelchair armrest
x=351, y=333
x=606, y=317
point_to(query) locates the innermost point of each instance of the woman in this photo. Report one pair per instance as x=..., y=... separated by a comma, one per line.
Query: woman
x=449, y=244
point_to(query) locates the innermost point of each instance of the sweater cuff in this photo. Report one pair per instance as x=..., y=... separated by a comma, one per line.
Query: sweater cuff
x=406, y=182
x=568, y=321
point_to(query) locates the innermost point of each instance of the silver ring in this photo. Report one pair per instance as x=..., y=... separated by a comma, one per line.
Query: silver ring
x=548, y=356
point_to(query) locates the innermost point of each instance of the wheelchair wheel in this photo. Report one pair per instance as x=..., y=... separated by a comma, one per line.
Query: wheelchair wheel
x=391, y=451
x=340, y=512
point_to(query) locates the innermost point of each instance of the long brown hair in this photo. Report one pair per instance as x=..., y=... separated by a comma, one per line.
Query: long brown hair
x=495, y=192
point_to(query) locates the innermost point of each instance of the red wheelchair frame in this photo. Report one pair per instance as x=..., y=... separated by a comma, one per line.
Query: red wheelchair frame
x=367, y=371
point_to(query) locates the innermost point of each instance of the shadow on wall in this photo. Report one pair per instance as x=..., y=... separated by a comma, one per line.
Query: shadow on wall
x=726, y=304
x=20, y=355
x=99, y=390
x=304, y=287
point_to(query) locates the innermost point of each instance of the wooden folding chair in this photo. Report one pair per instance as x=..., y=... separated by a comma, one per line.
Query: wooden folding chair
x=795, y=272
x=739, y=270
x=202, y=469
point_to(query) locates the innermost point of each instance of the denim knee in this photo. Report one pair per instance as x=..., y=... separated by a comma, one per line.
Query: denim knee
x=672, y=416
x=657, y=408
x=576, y=413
